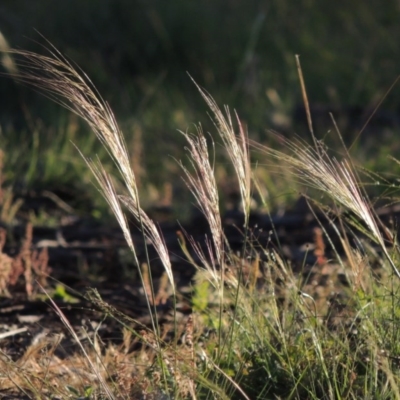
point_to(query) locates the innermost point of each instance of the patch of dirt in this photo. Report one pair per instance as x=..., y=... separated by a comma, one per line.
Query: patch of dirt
x=81, y=253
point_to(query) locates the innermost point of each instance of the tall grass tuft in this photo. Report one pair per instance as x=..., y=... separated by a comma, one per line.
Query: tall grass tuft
x=258, y=330
x=61, y=82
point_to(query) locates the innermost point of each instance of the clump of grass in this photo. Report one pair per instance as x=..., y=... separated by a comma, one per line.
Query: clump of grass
x=257, y=329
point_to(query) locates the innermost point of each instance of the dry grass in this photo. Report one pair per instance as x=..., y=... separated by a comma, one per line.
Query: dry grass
x=257, y=331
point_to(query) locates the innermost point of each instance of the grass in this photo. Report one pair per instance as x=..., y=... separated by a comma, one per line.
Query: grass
x=257, y=329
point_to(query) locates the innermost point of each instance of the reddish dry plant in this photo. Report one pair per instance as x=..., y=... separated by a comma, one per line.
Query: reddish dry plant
x=31, y=264
x=319, y=250
x=163, y=292
x=6, y=264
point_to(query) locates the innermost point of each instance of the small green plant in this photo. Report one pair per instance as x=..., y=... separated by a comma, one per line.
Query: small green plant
x=87, y=393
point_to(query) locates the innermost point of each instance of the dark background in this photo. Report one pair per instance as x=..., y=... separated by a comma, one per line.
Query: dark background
x=138, y=54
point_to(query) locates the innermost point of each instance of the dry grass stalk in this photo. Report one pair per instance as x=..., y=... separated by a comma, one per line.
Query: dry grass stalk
x=203, y=186
x=137, y=154
x=305, y=98
x=61, y=82
x=152, y=234
x=236, y=146
x=96, y=365
x=314, y=168
x=207, y=261
x=337, y=179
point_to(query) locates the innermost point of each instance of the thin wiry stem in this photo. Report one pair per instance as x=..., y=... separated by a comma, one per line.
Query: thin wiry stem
x=94, y=366
x=204, y=188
